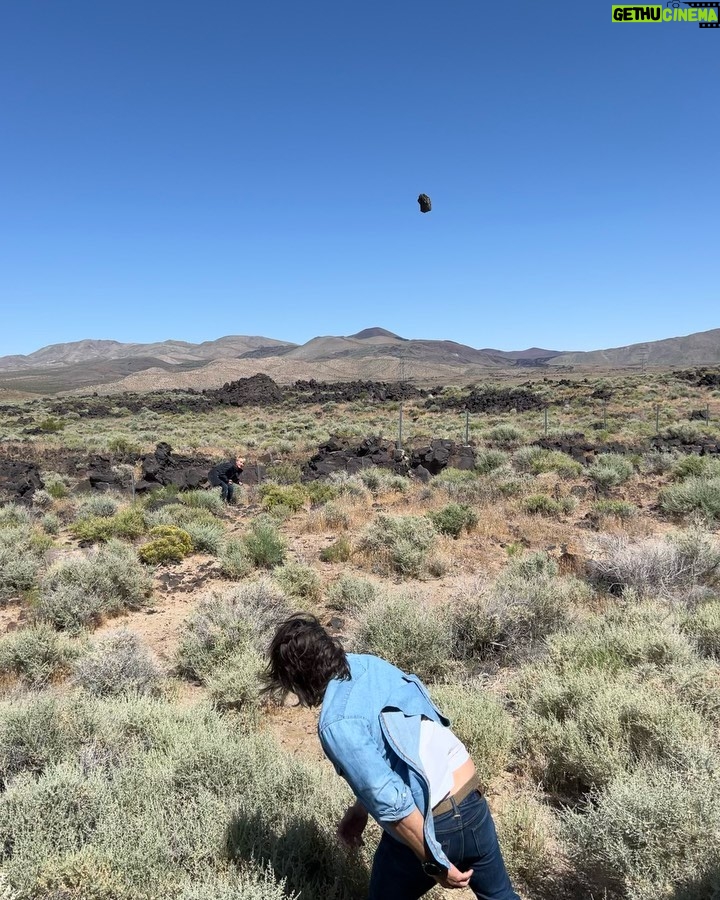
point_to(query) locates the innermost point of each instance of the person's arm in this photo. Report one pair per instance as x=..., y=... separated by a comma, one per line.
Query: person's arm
x=410, y=831
x=352, y=825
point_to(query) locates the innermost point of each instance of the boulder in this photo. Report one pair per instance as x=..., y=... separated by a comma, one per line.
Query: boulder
x=162, y=468
x=19, y=480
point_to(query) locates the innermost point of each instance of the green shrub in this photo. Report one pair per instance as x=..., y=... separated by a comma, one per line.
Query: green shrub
x=658, y=462
x=12, y=515
x=669, y=567
x=350, y=486
x=610, y=470
x=22, y=555
x=335, y=517
x=236, y=684
x=487, y=461
x=351, y=594
x=209, y=500
x=693, y=495
x=291, y=496
x=556, y=461
x=36, y=655
x=506, y=621
x=118, y=664
x=514, y=486
x=320, y=492
x=453, y=519
x=524, y=457
x=380, y=481
x=56, y=485
x=206, y=537
x=168, y=493
x=532, y=565
x=686, y=432
x=507, y=436
x=299, y=580
x=97, y=505
x=180, y=515
x=284, y=473
x=621, y=639
x=136, y=799
x=463, y=486
x=527, y=836
x=618, y=509
x=80, y=592
x=541, y=504
x=339, y=551
x=234, y=560
x=655, y=831
x=399, y=544
x=50, y=523
x=51, y=424
x=31, y=737
x=481, y=723
x=230, y=623
x=263, y=545
x=121, y=444
x=583, y=728
x=168, y=544
x=703, y=628
x=690, y=466
x=409, y=633
x=128, y=523
x=697, y=684
x=41, y=499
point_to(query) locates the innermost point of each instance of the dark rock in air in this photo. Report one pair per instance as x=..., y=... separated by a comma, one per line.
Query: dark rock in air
x=425, y=203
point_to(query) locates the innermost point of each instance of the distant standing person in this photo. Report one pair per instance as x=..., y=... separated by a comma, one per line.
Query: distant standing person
x=225, y=474
x=407, y=769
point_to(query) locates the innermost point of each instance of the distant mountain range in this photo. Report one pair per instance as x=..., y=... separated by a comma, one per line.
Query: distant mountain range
x=374, y=354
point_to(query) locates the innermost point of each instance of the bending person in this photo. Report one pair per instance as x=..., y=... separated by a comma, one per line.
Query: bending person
x=225, y=474
x=407, y=769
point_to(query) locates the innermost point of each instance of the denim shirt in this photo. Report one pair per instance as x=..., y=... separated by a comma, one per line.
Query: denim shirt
x=369, y=728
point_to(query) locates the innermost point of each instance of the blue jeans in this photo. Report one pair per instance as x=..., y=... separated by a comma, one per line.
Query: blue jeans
x=226, y=489
x=467, y=834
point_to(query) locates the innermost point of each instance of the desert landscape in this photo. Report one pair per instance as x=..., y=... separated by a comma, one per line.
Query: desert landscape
x=540, y=546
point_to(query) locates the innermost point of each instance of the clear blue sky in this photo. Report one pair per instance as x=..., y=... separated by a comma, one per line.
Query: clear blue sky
x=187, y=170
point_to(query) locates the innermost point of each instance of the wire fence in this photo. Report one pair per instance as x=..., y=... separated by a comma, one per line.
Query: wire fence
x=552, y=419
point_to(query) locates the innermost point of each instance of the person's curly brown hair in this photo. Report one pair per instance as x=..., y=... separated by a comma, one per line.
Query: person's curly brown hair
x=303, y=659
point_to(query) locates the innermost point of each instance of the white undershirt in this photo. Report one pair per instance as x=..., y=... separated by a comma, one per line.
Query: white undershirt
x=441, y=753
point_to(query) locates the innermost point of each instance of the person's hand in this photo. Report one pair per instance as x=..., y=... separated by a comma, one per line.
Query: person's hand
x=352, y=825
x=455, y=878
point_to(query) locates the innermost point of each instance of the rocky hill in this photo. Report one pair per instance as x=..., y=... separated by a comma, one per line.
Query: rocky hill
x=373, y=353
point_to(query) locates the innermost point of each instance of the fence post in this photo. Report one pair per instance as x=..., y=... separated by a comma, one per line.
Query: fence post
x=657, y=418
x=546, y=422
x=605, y=414
x=467, y=427
x=400, y=424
